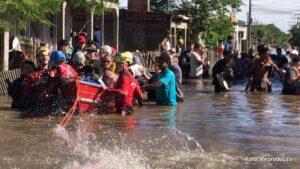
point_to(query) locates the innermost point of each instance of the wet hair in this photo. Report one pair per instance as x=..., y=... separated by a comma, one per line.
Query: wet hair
x=229, y=37
x=197, y=46
x=63, y=42
x=262, y=49
x=28, y=62
x=165, y=57
x=190, y=43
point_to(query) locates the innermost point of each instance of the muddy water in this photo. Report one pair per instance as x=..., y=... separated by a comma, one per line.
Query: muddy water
x=232, y=130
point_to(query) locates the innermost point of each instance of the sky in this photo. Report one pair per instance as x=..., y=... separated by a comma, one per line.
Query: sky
x=278, y=12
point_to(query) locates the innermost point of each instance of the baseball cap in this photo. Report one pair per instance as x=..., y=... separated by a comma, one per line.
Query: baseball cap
x=228, y=53
x=81, y=39
x=57, y=56
x=43, y=49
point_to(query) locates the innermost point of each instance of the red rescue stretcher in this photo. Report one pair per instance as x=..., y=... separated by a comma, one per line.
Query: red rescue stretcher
x=88, y=96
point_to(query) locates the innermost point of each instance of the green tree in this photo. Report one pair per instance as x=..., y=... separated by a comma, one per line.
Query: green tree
x=208, y=18
x=268, y=34
x=161, y=5
x=19, y=13
x=295, y=35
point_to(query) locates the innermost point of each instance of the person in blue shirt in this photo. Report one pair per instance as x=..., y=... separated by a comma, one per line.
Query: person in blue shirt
x=229, y=43
x=166, y=84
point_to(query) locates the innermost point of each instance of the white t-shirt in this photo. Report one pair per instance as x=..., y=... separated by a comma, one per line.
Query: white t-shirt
x=196, y=70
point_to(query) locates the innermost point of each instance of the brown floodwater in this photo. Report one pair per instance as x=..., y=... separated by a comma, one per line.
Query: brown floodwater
x=208, y=130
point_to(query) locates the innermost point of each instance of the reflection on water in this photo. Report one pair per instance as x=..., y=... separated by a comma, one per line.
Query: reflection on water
x=207, y=130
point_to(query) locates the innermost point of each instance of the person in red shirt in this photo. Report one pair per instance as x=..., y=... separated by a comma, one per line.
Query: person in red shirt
x=126, y=86
x=38, y=88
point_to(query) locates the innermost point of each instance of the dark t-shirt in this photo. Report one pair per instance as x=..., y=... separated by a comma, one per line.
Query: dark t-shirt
x=220, y=67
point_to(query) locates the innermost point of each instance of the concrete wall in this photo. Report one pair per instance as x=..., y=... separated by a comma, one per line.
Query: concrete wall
x=139, y=5
x=142, y=30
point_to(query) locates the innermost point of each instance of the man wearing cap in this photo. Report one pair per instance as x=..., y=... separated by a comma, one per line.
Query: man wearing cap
x=166, y=84
x=126, y=86
x=80, y=43
x=259, y=70
x=63, y=75
x=38, y=87
x=223, y=72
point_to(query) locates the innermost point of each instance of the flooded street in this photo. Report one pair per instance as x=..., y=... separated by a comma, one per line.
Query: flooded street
x=207, y=130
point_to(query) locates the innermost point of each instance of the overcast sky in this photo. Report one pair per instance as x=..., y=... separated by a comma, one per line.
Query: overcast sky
x=279, y=12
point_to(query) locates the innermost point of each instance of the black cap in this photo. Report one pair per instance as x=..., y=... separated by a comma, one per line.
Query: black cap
x=262, y=49
x=165, y=57
x=228, y=53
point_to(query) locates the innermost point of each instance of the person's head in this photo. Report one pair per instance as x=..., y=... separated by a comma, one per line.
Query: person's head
x=78, y=60
x=27, y=67
x=296, y=63
x=167, y=34
x=263, y=51
x=63, y=45
x=278, y=51
x=156, y=64
x=199, y=49
x=80, y=41
x=228, y=55
x=104, y=50
x=190, y=46
x=43, y=56
x=91, y=53
x=123, y=60
x=107, y=61
x=251, y=52
x=164, y=61
x=230, y=39
x=57, y=58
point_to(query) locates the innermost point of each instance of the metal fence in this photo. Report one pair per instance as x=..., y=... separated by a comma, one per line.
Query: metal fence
x=6, y=78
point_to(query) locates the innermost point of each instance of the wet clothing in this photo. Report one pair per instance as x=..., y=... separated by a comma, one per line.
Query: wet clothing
x=184, y=62
x=290, y=89
x=196, y=69
x=261, y=86
x=166, y=94
x=281, y=61
x=151, y=94
x=108, y=101
x=124, y=83
x=41, y=96
x=178, y=77
x=15, y=91
x=221, y=67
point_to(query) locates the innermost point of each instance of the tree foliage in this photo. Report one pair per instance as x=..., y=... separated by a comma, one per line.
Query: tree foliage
x=268, y=34
x=20, y=12
x=162, y=5
x=295, y=35
x=208, y=18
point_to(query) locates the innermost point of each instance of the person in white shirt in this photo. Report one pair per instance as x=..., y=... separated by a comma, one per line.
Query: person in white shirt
x=196, y=61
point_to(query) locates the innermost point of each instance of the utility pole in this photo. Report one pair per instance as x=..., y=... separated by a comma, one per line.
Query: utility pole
x=249, y=25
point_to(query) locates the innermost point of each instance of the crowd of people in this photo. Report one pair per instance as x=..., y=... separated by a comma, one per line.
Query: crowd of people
x=52, y=82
